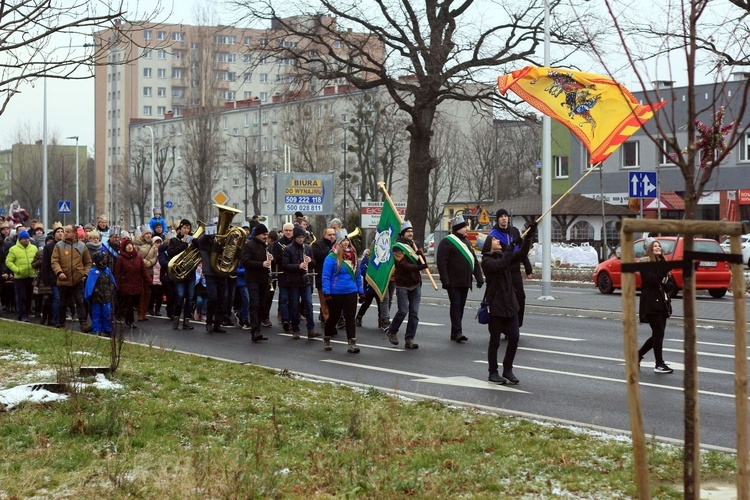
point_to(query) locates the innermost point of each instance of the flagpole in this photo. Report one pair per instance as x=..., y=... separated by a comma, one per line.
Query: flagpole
x=595, y=167
x=381, y=185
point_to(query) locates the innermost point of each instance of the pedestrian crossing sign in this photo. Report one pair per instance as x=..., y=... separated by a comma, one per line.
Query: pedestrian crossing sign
x=63, y=207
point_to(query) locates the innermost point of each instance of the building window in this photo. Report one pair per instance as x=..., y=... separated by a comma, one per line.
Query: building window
x=161, y=110
x=146, y=72
x=178, y=36
x=561, y=166
x=248, y=77
x=146, y=91
x=161, y=35
x=161, y=92
x=247, y=40
x=161, y=73
x=146, y=110
x=247, y=119
x=631, y=157
x=275, y=143
x=247, y=94
x=337, y=45
x=194, y=46
x=229, y=95
x=263, y=96
x=147, y=53
x=178, y=55
x=263, y=41
x=557, y=231
x=582, y=230
x=264, y=144
x=663, y=158
x=161, y=54
x=264, y=78
x=176, y=73
x=744, y=146
x=147, y=35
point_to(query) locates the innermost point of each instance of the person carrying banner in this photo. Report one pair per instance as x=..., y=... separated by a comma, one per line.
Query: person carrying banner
x=457, y=263
x=408, y=277
x=506, y=233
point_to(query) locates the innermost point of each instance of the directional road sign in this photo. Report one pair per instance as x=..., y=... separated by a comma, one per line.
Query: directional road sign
x=642, y=184
x=63, y=207
x=168, y=204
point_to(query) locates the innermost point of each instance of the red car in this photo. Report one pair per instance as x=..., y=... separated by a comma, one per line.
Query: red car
x=711, y=276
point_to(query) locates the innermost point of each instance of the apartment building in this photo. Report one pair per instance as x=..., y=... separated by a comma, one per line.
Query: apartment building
x=162, y=70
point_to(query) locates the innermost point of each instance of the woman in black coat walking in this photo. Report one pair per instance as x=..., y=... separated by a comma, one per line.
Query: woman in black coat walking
x=655, y=285
x=496, y=265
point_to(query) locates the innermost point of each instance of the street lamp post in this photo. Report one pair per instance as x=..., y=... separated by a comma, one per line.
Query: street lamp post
x=246, y=166
x=78, y=180
x=346, y=150
x=153, y=186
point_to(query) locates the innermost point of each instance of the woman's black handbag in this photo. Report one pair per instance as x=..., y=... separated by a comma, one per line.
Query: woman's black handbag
x=483, y=314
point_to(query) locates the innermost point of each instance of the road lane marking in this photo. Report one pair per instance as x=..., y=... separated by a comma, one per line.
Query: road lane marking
x=553, y=337
x=676, y=366
x=711, y=354
x=431, y=324
x=391, y=348
x=459, y=381
x=610, y=379
x=716, y=344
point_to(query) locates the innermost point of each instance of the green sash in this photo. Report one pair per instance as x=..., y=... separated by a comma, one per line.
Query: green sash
x=408, y=251
x=468, y=254
x=346, y=265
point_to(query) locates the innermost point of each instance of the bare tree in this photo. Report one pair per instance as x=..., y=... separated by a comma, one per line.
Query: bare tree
x=703, y=33
x=31, y=32
x=392, y=144
x=517, y=151
x=139, y=181
x=164, y=167
x=421, y=54
x=449, y=149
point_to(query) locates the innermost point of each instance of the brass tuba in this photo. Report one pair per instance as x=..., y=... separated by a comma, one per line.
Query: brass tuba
x=230, y=239
x=185, y=262
x=354, y=233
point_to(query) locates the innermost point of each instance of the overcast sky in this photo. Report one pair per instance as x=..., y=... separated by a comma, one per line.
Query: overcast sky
x=70, y=104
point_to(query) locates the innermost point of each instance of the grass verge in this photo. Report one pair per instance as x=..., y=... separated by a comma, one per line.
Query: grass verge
x=189, y=427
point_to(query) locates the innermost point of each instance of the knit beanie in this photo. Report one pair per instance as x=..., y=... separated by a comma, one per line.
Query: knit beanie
x=487, y=247
x=185, y=222
x=297, y=232
x=501, y=212
x=23, y=235
x=80, y=232
x=261, y=229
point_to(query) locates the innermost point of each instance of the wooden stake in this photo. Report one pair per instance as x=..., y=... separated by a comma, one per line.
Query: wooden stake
x=740, y=370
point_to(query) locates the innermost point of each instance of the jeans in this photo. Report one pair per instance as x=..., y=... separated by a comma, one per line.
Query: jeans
x=457, y=297
x=658, y=324
x=509, y=326
x=24, y=293
x=260, y=300
x=284, y=303
x=55, y=304
x=294, y=294
x=71, y=294
x=183, y=301
x=242, y=291
x=408, y=303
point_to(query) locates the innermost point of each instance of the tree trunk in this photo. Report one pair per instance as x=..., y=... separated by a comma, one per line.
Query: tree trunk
x=420, y=164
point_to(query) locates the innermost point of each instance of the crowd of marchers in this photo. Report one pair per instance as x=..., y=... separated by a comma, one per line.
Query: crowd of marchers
x=101, y=276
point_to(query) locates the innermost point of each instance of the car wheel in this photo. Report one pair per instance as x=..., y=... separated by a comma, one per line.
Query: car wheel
x=604, y=283
x=717, y=293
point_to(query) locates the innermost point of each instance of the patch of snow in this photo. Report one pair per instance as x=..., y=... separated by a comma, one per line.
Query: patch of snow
x=10, y=398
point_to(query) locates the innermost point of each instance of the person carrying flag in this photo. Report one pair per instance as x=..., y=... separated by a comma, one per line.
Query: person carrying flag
x=408, y=286
x=457, y=264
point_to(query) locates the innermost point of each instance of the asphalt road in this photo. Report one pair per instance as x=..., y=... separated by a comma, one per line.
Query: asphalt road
x=570, y=362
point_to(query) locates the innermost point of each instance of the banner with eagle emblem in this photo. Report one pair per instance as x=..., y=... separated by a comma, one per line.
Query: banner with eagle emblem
x=381, y=263
x=599, y=111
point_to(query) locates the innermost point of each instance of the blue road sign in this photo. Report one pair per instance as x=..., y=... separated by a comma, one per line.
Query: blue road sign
x=2, y=211
x=63, y=207
x=168, y=204
x=642, y=184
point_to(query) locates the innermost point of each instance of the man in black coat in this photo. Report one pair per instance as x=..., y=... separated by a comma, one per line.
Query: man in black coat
x=296, y=261
x=456, y=264
x=185, y=288
x=278, y=256
x=255, y=259
x=507, y=233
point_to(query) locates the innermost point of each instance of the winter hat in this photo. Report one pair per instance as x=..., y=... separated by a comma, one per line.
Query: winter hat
x=501, y=212
x=88, y=227
x=125, y=241
x=50, y=237
x=145, y=229
x=261, y=229
x=23, y=235
x=297, y=232
x=157, y=211
x=487, y=247
x=336, y=222
x=80, y=232
x=157, y=238
x=185, y=222
x=124, y=234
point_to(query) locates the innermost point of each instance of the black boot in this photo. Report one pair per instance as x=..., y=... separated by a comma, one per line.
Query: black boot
x=186, y=324
x=176, y=323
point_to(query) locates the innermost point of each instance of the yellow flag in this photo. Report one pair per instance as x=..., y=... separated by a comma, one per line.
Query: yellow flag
x=598, y=110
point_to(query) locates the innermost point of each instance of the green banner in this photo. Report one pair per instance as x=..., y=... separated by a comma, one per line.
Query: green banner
x=381, y=256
